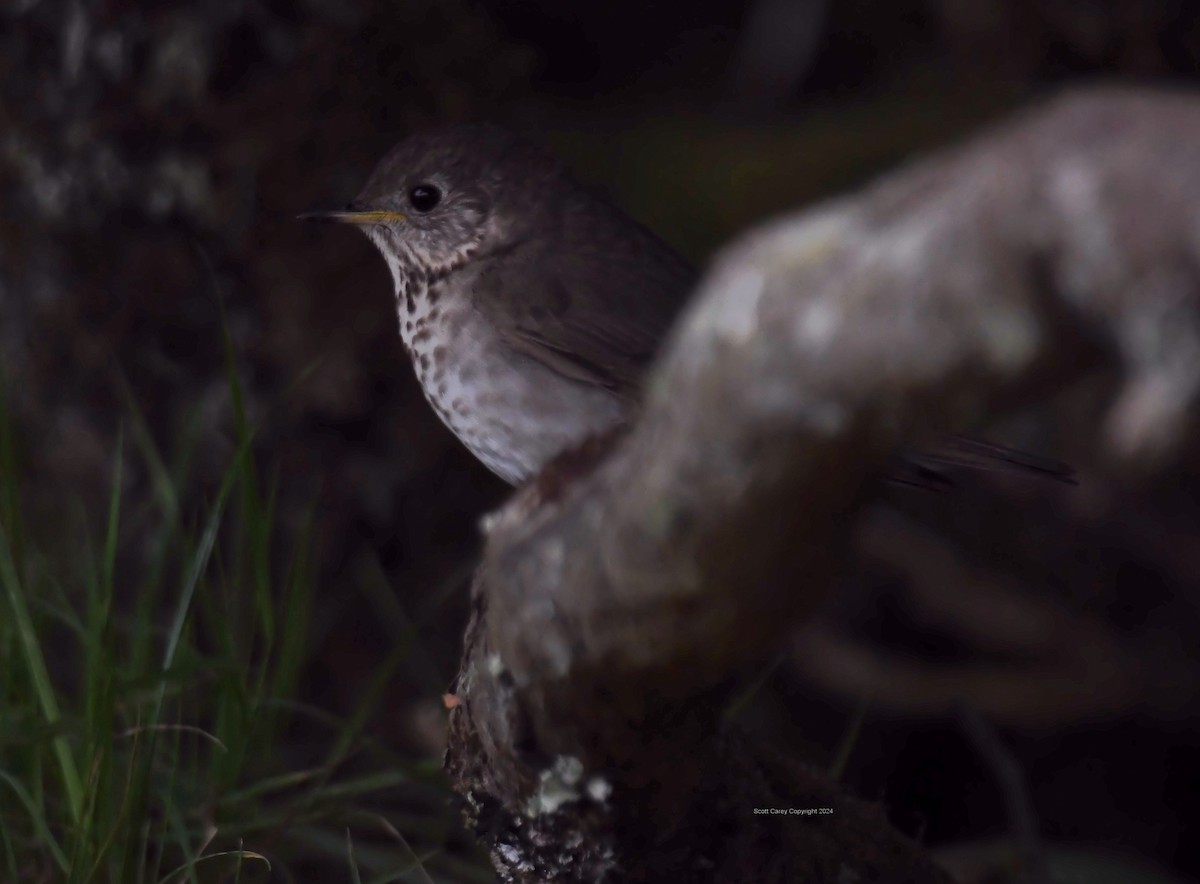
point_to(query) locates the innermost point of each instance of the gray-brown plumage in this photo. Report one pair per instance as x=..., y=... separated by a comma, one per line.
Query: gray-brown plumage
x=530, y=306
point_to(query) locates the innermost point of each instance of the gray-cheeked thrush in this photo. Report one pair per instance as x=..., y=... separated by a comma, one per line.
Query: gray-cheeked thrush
x=530, y=306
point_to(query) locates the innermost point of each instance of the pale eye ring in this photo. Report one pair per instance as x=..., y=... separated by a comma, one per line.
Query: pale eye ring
x=424, y=197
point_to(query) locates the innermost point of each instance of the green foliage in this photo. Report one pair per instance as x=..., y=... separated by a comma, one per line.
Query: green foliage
x=151, y=724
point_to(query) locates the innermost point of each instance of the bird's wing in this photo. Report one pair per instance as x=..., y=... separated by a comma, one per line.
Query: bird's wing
x=592, y=302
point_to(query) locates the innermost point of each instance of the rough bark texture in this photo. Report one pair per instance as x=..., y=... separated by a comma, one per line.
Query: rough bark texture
x=589, y=743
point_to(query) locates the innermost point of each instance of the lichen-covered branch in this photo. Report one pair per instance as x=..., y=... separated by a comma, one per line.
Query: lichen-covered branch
x=609, y=619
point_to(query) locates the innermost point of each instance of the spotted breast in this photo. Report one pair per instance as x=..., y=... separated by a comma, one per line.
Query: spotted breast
x=512, y=412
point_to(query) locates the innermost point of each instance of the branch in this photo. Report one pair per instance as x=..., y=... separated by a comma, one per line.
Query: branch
x=610, y=619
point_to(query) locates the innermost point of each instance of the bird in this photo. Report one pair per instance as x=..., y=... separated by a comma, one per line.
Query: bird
x=531, y=306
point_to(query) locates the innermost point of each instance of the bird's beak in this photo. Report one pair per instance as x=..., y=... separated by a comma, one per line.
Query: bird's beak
x=354, y=216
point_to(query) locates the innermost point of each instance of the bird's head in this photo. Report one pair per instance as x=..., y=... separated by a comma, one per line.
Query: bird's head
x=442, y=196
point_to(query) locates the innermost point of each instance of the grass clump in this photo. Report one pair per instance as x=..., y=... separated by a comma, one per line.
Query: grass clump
x=153, y=726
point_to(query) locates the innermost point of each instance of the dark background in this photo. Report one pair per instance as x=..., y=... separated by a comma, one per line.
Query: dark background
x=153, y=157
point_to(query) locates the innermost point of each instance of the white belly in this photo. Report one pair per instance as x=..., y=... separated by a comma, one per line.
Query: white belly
x=512, y=412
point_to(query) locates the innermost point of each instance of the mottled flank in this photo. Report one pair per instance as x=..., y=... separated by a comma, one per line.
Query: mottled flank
x=491, y=398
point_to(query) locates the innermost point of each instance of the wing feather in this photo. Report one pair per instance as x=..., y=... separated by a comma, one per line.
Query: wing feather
x=593, y=301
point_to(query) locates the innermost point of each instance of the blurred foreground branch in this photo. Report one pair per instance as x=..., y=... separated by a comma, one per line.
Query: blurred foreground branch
x=589, y=743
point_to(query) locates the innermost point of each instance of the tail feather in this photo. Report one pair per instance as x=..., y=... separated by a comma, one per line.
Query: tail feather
x=928, y=469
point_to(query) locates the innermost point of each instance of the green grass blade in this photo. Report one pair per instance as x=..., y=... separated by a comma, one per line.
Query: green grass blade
x=10, y=504
x=417, y=862
x=10, y=854
x=837, y=768
x=165, y=487
x=114, y=516
x=354, y=875
x=199, y=564
x=742, y=699
x=35, y=663
x=190, y=866
x=38, y=819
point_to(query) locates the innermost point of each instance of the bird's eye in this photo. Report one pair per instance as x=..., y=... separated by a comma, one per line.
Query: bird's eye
x=424, y=197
